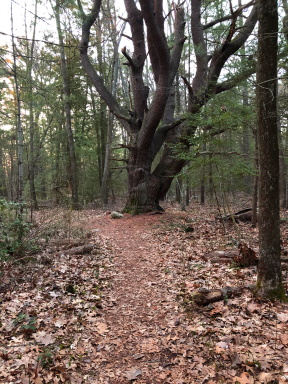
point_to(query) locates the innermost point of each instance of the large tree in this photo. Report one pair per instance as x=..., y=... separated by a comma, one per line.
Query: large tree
x=150, y=120
x=269, y=283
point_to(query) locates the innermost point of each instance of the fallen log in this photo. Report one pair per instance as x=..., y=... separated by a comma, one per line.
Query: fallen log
x=244, y=257
x=203, y=296
x=84, y=249
x=221, y=256
x=245, y=215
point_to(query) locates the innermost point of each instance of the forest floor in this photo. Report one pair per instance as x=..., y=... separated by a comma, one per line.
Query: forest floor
x=108, y=301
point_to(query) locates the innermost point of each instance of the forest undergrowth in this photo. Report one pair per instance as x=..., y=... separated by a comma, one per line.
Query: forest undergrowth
x=109, y=301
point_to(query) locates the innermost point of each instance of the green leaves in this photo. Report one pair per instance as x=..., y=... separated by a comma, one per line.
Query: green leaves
x=13, y=229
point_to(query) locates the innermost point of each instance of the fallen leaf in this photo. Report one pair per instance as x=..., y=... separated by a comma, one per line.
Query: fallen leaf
x=236, y=361
x=133, y=374
x=44, y=338
x=221, y=347
x=38, y=380
x=245, y=378
x=60, y=323
x=283, y=317
x=253, y=307
x=265, y=377
x=102, y=328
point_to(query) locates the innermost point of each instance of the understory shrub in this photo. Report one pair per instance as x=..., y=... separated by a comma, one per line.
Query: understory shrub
x=14, y=229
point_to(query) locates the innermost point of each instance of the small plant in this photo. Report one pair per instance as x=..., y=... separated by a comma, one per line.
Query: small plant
x=45, y=358
x=26, y=324
x=13, y=229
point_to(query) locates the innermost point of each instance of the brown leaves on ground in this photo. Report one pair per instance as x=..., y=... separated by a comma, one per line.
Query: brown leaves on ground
x=122, y=312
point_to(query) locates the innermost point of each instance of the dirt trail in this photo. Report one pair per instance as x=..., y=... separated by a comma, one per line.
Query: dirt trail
x=113, y=316
x=145, y=315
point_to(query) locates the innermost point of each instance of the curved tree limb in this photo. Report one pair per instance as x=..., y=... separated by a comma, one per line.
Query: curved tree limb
x=228, y=48
x=107, y=96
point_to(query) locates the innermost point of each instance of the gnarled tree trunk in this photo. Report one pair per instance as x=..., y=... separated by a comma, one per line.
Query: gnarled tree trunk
x=151, y=124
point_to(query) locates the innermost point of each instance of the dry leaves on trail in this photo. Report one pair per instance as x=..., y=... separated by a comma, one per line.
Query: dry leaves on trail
x=122, y=314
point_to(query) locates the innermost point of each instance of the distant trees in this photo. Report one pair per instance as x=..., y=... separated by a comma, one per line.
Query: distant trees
x=73, y=174
x=169, y=90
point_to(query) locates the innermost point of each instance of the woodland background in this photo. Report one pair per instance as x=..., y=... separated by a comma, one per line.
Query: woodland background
x=61, y=145
x=132, y=105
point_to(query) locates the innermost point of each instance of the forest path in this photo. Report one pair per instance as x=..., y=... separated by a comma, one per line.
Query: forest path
x=116, y=315
x=143, y=318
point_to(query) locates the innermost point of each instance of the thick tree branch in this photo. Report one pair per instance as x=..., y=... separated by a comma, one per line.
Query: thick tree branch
x=233, y=15
x=161, y=135
x=200, y=48
x=178, y=42
x=157, y=44
x=216, y=21
x=106, y=95
x=229, y=48
x=136, y=62
x=157, y=41
x=129, y=58
x=164, y=67
x=237, y=79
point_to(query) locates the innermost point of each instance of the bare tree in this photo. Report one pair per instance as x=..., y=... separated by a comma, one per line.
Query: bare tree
x=150, y=122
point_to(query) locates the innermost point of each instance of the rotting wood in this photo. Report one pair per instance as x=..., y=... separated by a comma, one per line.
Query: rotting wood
x=204, y=296
x=243, y=257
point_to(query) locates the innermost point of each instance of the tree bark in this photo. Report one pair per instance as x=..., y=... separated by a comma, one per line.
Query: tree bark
x=20, y=138
x=269, y=280
x=67, y=108
x=152, y=127
x=31, y=164
x=255, y=185
x=110, y=128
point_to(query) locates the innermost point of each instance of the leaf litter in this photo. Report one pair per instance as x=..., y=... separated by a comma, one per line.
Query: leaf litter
x=122, y=313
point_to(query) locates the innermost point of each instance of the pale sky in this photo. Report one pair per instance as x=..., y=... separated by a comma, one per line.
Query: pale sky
x=18, y=7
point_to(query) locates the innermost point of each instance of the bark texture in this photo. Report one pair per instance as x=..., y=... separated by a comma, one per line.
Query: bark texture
x=151, y=124
x=269, y=283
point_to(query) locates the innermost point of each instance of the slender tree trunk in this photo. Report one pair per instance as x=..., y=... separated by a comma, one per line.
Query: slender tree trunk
x=269, y=281
x=178, y=190
x=110, y=128
x=3, y=177
x=106, y=169
x=283, y=166
x=283, y=172
x=20, y=139
x=67, y=108
x=98, y=124
x=202, y=191
x=255, y=185
x=31, y=165
x=188, y=191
